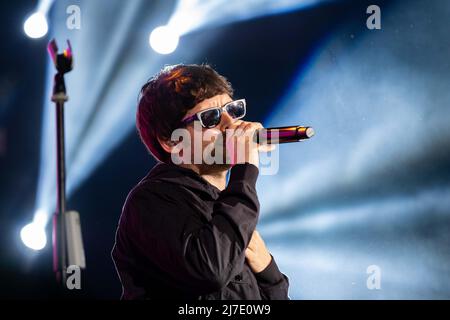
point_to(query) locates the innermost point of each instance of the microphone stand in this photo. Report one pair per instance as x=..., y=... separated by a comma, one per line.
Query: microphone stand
x=64, y=64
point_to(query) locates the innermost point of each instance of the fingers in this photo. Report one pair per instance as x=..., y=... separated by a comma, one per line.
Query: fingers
x=255, y=235
x=239, y=142
x=249, y=254
x=253, y=126
x=253, y=244
x=267, y=147
x=245, y=126
x=256, y=254
x=256, y=242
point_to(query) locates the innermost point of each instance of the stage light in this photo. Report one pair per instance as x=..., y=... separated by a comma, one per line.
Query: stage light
x=192, y=15
x=36, y=25
x=164, y=40
x=33, y=236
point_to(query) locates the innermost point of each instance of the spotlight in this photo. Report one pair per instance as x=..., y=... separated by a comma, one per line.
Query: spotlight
x=36, y=25
x=164, y=39
x=33, y=236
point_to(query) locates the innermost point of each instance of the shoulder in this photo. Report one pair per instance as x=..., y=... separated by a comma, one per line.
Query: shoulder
x=153, y=208
x=152, y=193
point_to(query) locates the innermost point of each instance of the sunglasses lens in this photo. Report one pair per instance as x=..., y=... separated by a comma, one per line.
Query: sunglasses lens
x=210, y=118
x=236, y=109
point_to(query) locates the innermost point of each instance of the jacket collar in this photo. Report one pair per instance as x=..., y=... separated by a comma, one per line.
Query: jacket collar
x=181, y=176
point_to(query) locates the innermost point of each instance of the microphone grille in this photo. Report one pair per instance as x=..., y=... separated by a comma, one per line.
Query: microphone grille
x=310, y=132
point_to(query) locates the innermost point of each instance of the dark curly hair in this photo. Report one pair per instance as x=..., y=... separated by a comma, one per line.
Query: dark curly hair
x=166, y=97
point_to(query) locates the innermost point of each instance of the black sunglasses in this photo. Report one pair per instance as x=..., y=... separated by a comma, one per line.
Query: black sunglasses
x=210, y=118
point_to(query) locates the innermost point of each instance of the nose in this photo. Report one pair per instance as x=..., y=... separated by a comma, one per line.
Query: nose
x=226, y=121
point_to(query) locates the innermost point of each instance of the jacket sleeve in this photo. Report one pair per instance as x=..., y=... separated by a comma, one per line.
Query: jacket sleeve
x=200, y=256
x=273, y=285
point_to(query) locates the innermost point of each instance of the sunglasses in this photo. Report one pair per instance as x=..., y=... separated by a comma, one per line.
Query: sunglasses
x=210, y=118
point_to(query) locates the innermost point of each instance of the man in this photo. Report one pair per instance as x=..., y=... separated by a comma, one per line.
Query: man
x=185, y=233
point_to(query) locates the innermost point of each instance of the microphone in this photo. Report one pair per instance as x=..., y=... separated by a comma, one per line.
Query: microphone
x=278, y=135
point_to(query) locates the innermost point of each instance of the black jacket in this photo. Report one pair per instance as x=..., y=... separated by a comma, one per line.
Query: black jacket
x=179, y=237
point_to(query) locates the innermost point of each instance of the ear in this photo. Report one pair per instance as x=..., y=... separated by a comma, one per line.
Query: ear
x=167, y=145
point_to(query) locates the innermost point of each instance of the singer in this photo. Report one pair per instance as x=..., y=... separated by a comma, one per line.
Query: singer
x=185, y=232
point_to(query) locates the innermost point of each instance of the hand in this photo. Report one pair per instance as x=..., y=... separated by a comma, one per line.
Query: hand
x=240, y=145
x=258, y=257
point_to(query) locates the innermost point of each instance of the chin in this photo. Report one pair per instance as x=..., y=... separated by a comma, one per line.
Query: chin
x=215, y=168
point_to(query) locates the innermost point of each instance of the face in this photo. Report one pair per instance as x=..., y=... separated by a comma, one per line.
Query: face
x=214, y=102
x=210, y=134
